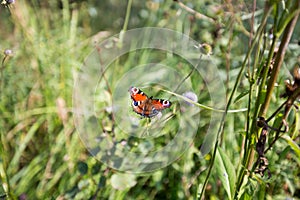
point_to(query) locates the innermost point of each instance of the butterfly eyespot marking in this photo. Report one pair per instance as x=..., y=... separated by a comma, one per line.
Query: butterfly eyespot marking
x=135, y=90
x=165, y=103
x=135, y=103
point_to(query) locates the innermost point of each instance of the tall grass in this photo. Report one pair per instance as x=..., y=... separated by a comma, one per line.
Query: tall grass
x=40, y=147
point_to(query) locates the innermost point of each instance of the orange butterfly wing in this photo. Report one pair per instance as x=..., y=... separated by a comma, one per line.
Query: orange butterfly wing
x=137, y=95
x=160, y=104
x=147, y=107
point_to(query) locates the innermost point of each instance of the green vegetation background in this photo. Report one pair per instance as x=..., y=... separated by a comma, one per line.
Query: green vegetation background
x=42, y=156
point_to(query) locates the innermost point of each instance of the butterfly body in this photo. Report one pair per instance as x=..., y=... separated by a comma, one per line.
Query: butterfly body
x=147, y=106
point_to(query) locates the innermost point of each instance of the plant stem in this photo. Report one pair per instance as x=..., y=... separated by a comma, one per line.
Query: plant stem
x=127, y=15
x=249, y=155
x=238, y=79
x=279, y=60
x=246, y=154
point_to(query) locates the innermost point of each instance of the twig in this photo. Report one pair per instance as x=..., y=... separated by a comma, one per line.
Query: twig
x=279, y=60
x=195, y=13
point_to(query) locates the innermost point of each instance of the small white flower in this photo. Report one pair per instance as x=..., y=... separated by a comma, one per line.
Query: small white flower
x=192, y=96
x=159, y=115
x=8, y=52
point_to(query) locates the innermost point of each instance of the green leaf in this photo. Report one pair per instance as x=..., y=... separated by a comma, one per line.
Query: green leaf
x=241, y=95
x=123, y=181
x=82, y=167
x=96, y=168
x=292, y=144
x=226, y=172
x=102, y=182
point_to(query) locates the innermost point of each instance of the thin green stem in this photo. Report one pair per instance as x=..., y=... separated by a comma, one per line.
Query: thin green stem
x=264, y=105
x=246, y=155
x=279, y=60
x=3, y=167
x=252, y=80
x=203, y=106
x=238, y=79
x=261, y=90
x=127, y=15
x=293, y=14
x=264, y=78
x=125, y=26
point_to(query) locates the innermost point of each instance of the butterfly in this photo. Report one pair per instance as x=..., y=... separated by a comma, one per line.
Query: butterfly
x=147, y=106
